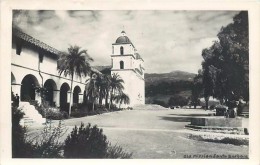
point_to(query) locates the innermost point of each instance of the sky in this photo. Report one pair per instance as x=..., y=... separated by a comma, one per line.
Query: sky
x=166, y=40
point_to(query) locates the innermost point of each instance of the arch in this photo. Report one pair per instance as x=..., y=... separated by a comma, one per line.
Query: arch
x=122, y=65
x=50, y=87
x=121, y=50
x=64, y=105
x=76, y=93
x=28, y=86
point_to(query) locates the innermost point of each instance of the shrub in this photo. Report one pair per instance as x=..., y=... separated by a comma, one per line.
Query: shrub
x=78, y=114
x=55, y=114
x=212, y=107
x=47, y=144
x=49, y=112
x=113, y=107
x=129, y=108
x=90, y=142
x=44, y=145
x=20, y=147
x=159, y=102
x=86, y=142
x=178, y=100
x=117, y=152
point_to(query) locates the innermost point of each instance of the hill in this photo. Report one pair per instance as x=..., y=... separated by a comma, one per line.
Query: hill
x=160, y=87
x=155, y=78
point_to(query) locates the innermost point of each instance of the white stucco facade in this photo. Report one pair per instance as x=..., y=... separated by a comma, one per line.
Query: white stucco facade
x=129, y=65
x=33, y=66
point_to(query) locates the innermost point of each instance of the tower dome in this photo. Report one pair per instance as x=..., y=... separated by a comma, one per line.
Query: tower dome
x=123, y=39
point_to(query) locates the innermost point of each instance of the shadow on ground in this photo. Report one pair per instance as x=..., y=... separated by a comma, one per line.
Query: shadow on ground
x=190, y=114
x=176, y=119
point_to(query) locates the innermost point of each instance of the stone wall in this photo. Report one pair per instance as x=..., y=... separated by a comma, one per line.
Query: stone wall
x=217, y=122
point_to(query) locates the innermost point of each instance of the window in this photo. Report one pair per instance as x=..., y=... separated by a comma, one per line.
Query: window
x=112, y=49
x=121, y=64
x=121, y=50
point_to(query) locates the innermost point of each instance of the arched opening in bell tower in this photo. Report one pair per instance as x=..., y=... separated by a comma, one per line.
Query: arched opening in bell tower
x=121, y=64
x=121, y=50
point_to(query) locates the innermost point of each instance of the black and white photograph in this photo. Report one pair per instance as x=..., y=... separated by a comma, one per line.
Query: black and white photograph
x=130, y=84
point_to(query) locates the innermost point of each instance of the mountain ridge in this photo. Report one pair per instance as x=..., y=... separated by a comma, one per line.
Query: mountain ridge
x=173, y=76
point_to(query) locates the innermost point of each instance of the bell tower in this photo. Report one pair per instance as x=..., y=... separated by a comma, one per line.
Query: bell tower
x=128, y=64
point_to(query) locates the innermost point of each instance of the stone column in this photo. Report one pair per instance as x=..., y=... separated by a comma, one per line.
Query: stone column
x=68, y=96
x=56, y=97
x=81, y=97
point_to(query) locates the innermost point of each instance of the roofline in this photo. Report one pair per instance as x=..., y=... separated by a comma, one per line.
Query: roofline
x=17, y=32
x=27, y=38
x=124, y=43
x=123, y=55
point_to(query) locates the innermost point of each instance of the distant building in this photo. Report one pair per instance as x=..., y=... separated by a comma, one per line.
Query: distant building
x=128, y=63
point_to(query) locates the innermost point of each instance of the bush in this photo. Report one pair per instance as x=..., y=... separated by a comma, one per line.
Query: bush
x=212, y=107
x=20, y=147
x=159, y=102
x=90, y=142
x=55, y=114
x=117, y=152
x=44, y=145
x=79, y=114
x=47, y=144
x=113, y=107
x=86, y=142
x=49, y=112
x=178, y=100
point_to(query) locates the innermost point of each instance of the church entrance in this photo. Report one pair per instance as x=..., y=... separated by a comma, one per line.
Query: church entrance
x=29, y=84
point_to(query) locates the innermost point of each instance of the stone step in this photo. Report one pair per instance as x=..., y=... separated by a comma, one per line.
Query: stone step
x=31, y=114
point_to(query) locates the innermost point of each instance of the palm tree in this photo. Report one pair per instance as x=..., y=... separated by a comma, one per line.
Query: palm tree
x=116, y=86
x=122, y=98
x=107, y=85
x=92, y=89
x=75, y=62
x=102, y=86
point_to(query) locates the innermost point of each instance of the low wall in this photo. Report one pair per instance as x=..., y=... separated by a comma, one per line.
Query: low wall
x=216, y=122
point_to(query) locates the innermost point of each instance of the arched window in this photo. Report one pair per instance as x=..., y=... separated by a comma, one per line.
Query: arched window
x=121, y=50
x=121, y=64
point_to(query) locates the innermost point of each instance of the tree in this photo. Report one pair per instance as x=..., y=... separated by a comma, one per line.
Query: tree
x=103, y=84
x=116, y=86
x=196, y=89
x=107, y=86
x=92, y=89
x=75, y=62
x=177, y=100
x=122, y=98
x=225, y=65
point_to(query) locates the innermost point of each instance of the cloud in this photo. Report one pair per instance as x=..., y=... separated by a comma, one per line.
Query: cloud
x=166, y=40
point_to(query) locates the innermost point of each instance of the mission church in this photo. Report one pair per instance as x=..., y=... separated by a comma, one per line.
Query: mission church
x=34, y=65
